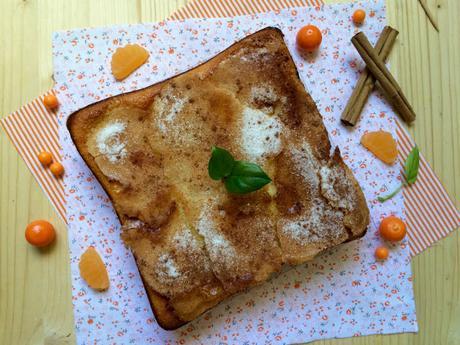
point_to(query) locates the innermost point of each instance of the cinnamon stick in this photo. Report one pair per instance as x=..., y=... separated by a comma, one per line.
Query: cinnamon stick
x=378, y=69
x=366, y=81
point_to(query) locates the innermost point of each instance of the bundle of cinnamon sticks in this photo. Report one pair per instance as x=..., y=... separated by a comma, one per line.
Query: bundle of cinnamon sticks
x=376, y=71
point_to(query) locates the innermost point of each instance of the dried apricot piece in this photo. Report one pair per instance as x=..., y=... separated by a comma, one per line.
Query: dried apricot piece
x=127, y=59
x=93, y=271
x=382, y=145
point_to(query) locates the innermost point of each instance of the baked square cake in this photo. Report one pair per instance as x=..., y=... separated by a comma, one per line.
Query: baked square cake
x=194, y=243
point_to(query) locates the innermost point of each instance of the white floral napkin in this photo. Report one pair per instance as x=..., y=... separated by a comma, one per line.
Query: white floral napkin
x=342, y=293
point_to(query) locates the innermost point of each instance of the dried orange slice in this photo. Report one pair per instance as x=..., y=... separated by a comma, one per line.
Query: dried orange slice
x=93, y=271
x=382, y=145
x=127, y=59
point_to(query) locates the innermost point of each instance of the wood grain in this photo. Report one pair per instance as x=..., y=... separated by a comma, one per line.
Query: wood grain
x=35, y=288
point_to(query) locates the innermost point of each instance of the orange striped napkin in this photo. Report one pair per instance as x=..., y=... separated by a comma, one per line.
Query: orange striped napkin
x=32, y=129
x=431, y=215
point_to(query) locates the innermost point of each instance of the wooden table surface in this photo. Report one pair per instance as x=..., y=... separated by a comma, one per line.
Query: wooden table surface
x=35, y=289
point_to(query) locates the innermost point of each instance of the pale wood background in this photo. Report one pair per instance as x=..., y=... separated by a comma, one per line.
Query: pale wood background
x=35, y=289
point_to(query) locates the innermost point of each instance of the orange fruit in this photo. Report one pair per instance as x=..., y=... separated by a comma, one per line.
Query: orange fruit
x=381, y=253
x=93, y=271
x=392, y=229
x=40, y=233
x=127, y=59
x=382, y=145
x=45, y=158
x=50, y=101
x=309, y=38
x=57, y=169
x=359, y=16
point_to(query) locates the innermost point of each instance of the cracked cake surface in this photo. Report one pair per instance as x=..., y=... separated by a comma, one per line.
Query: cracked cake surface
x=194, y=243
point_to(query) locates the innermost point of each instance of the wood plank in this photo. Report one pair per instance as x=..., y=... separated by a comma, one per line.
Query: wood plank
x=424, y=62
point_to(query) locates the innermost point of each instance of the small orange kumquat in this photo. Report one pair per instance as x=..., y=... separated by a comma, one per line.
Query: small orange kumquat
x=50, y=101
x=359, y=16
x=57, y=169
x=45, y=158
x=309, y=38
x=392, y=229
x=381, y=253
x=40, y=233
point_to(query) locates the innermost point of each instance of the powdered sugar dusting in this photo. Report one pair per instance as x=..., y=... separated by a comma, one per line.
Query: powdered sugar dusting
x=166, y=267
x=185, y=240
x=260, y=134
x=264, y=97
x=331, y=182
x=263, y=93
x=322, y=222
x=307, y=165
x=219, y=248
x=109, y=142
x=167, y=108
x=256, y=54
x=300, y=231
x=132, y=224
x=325, y=219
x=330, y=177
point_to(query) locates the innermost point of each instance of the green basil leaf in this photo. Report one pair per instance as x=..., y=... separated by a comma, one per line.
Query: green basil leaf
x=389, y=196
x=411, y=166
x=246, y=178
x=221, y=163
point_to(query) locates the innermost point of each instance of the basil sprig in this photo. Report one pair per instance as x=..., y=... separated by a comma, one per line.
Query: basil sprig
x=221, y=163
x=410, y=173
x=239, y=177
x=411, y=166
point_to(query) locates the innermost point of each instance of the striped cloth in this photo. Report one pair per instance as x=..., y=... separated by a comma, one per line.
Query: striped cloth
x=230, y=8
x=430, y=214
x=33, y=129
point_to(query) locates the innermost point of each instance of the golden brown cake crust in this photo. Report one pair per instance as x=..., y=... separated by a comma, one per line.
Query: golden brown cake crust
x=194, y=243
